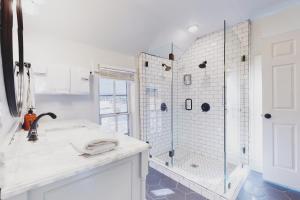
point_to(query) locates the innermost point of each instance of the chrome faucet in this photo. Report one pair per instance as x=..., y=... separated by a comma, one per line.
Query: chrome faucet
x=32, y=133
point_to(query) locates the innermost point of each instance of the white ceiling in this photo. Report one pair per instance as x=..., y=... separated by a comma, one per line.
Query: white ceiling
x=132, y=26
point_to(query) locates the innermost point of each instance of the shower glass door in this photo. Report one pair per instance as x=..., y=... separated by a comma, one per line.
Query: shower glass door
x=236, y=118
x=155, y=106
x=199, y=113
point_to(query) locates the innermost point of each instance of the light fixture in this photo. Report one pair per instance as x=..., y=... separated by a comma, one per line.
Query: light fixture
x=193, y=29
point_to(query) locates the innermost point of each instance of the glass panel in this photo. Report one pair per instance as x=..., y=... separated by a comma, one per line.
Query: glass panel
x=121, y=87
x=208, y=143
x=236, y=76
x=106, y=104
x=123, y=124
x=199, y=131
x=106, y=86
x=121, y=104
x=108, y=123
x=155, y=107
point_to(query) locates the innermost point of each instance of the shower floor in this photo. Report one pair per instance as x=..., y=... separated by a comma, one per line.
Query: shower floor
x=207, y=172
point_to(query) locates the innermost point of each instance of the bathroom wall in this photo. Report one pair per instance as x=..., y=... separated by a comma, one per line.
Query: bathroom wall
x=40, y=49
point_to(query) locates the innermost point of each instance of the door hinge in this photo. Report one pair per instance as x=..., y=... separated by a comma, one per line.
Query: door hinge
x=171, y=153
x=243, y=58
x=244, y=150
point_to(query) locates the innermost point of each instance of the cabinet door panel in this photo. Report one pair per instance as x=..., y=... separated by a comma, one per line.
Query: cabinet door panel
x=59, y=79
x=80, y=80
x=52, y=79
x=113, y=184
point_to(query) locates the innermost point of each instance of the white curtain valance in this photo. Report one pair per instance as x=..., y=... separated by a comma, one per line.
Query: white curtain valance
x=115, y=74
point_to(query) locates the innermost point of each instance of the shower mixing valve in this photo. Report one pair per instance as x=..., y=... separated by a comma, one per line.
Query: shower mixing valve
x=163, y=107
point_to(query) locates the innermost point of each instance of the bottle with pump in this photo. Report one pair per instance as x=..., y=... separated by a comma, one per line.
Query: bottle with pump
x=28, y=119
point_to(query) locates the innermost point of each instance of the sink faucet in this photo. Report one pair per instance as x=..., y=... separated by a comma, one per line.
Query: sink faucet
x=32, y=133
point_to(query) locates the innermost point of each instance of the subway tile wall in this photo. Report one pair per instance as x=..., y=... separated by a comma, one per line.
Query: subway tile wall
x=197, y=131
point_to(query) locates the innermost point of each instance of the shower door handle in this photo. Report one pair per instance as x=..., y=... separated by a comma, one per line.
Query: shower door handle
x=188, y=104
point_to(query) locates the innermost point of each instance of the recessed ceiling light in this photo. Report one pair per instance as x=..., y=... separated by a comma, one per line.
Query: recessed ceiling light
x=193, y=29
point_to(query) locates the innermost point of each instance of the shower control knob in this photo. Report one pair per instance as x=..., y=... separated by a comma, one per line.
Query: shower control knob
x=268, y=116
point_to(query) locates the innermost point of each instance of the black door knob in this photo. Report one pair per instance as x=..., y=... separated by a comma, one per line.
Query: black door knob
x=268, y=116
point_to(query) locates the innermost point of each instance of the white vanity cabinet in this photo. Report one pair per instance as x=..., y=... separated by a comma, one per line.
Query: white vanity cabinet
x=61, y=79
x=121, y=180
x=80, y=80
x=52, y=79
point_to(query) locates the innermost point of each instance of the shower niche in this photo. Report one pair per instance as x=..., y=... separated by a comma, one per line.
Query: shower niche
x=187, y=79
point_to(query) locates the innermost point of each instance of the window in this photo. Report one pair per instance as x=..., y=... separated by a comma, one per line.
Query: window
x=114, y=106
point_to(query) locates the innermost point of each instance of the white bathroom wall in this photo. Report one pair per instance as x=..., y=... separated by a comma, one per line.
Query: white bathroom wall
x=43, y=49
x=276, y=23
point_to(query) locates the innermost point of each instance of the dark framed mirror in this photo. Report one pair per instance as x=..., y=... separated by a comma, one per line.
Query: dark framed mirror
x=12, y=54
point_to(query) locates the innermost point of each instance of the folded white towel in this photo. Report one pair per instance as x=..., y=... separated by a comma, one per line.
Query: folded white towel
x=92, y=144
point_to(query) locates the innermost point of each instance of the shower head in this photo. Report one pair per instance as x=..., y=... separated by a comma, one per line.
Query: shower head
x=166, y=67
x=203, y=65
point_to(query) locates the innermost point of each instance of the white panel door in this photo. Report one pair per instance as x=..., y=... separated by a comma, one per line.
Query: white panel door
x=281, y=109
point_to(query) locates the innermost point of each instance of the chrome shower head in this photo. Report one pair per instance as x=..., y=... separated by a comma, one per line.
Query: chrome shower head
x=166, y=67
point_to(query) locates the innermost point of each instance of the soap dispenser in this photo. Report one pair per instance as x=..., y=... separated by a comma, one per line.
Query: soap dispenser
x=28, y=119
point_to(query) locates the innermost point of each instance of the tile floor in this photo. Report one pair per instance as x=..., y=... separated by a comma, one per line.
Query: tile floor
x=168, y=188
x=160, y=187
x=255, y=188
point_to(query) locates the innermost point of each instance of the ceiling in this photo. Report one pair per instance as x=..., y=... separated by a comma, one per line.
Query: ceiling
x=132, y=26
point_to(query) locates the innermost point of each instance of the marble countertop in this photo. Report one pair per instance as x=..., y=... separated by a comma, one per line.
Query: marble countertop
x=30, y=165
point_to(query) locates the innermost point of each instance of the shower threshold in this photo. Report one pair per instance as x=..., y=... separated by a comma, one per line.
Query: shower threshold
x=201, y=174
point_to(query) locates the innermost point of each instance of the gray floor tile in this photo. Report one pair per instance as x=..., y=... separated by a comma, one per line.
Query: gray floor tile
x=293, y=195
x=194, y=196
x=254, y=188
x=156, y=181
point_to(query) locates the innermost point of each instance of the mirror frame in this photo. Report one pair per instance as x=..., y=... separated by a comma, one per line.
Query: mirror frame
x=8, y=64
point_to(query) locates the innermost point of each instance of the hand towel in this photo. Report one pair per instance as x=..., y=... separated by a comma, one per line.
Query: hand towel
x=94, y=144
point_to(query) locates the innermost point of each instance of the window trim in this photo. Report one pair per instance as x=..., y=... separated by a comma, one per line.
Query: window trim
x=116, y=114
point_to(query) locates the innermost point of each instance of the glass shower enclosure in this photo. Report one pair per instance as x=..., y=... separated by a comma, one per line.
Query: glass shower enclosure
x=194, y=109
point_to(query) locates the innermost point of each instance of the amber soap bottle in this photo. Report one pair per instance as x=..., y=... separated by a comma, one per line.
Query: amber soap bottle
x=28, y=119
